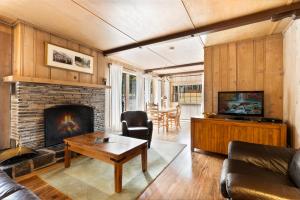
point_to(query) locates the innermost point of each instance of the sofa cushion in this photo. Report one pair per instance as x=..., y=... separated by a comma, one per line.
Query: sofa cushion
x=139, y=128
x=249, y=187
x=243, y=168
x=7, y=185
x=294, y=168
x=138, y=132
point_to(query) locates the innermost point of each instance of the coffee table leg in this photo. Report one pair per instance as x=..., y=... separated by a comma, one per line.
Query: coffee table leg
x=67, y=156
x=144, y=159
x=118, y=177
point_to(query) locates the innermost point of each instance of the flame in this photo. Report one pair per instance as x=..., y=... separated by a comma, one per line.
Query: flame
x=68, y=124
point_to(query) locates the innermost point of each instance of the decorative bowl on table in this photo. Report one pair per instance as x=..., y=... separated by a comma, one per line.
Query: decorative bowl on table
x=209, y=115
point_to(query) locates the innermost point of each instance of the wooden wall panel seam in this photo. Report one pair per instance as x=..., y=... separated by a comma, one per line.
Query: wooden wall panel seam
x=264, y=63
x=98, y=76
x=237, y=66
x=228, y=68
x=254, y=64
x=220, y=70
x=34, y=52
x=212, y=79
x=22, y=49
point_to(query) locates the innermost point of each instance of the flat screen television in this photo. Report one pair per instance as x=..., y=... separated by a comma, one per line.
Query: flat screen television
x=244, y=103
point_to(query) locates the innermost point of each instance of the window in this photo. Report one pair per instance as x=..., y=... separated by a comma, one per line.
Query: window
x=175, y=94
x=187, y=94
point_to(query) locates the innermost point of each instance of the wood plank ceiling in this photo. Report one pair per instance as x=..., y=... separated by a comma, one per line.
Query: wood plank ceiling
x=106, y=24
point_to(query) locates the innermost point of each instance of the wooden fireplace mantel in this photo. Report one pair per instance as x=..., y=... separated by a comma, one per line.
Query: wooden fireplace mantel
x=14, y=79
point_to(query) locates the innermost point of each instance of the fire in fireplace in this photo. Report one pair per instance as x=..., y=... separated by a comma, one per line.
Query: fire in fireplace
x=67, y=121
x=68, y=124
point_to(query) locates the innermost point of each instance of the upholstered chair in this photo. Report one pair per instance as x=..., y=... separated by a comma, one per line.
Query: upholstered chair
x=136, y=124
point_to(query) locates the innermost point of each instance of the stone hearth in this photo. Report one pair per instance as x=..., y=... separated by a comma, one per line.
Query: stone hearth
x=29, y=100
x=45, y=157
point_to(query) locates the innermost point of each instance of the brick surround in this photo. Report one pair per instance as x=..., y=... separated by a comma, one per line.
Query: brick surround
x=30, y=99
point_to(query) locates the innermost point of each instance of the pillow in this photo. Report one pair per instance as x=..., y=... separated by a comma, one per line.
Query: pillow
x=294, y=168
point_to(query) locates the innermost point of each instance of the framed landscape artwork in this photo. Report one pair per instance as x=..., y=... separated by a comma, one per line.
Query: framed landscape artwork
x=67, y=59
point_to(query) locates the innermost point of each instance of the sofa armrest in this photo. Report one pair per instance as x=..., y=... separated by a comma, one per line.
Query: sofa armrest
x=125, y=128
x=274, y=158
x=245, y=187
x=9, y=189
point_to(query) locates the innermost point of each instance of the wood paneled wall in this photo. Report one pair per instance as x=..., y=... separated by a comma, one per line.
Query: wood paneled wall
x=248, y=65
x=5, y=70
x=291, y=97
x=29, y=56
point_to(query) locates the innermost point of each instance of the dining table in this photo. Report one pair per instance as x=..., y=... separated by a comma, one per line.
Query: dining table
x=165, y=111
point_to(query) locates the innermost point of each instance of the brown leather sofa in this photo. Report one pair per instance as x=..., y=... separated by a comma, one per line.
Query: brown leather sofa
x=10, y=190
x=136, y=124
x=254, y=171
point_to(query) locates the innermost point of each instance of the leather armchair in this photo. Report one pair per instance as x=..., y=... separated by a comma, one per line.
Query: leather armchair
x=136, y=124
x=254, y=171
x=9, y=189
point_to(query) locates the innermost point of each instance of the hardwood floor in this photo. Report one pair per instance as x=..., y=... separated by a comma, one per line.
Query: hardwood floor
x=190, y=176
x=42, y=189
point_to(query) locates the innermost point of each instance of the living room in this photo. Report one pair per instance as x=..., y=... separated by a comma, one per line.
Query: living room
x=163, y=99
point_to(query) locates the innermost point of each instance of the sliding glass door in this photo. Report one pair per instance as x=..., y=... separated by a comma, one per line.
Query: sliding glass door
x=132, y=93
x=124, y=92
x=128, y=92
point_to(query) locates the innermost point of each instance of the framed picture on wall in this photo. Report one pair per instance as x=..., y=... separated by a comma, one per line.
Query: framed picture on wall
x=60, y=57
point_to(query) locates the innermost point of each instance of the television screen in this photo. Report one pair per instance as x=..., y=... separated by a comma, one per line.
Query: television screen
x=241, y=103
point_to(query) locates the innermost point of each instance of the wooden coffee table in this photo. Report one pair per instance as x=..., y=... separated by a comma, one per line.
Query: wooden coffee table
x=117, y=151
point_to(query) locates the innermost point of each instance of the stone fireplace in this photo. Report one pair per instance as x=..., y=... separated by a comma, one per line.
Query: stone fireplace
x=30, y=100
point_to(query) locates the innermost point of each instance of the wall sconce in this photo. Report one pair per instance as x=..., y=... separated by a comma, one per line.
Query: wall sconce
x=104, y=81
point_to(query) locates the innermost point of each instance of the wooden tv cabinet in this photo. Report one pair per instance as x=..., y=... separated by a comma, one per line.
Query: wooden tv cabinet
x=214, y=134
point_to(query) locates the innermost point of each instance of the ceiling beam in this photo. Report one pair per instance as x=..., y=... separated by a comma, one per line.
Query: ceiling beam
x=279, y=12
x=174, y=66
x=181, y=73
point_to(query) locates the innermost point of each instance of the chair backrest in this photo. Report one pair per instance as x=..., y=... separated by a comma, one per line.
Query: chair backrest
x=135, y=118
x=151, y=106
x=178, y=112
x=152, y=109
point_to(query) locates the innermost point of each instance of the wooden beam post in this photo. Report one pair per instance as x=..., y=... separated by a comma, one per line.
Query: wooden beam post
x=177, y=73
x=174, y=66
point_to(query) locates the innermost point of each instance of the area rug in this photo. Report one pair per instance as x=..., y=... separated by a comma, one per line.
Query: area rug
x=89, y=178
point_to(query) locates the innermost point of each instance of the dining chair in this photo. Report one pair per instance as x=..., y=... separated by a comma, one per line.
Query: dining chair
x=174, y=118
x=155, y=115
